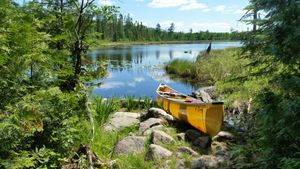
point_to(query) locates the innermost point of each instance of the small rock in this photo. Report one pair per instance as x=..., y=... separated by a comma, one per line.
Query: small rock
x=192, y=134
x=160, y=136
x=203, y=95
x=181, y=136
x=131, y=144
x=121, y=120
x=150, y=123
x=205, y=161
x=197, y=139
x=223, y=156
x=217, y=146
x=188, y=151
x=160, y=113
x=202, y=142
x=180, y=164
x=223, y=136
x=158, y=152
x=150, y=130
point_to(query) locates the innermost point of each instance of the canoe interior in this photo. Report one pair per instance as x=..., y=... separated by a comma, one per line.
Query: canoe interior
x=207, y=117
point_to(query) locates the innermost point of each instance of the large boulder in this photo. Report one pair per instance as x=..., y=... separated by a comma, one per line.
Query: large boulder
x=120, y=120
x=150, y=123
x=158, y=152
x=161, y=137
x=156, y=113
x=131, y=144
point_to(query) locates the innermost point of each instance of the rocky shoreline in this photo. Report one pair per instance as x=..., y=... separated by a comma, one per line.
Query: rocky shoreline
x=176, y=144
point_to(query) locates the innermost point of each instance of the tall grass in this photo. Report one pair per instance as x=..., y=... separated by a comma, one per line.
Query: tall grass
x=209, y=68
x=103, y=108
x=131, y=103
x=182, y=68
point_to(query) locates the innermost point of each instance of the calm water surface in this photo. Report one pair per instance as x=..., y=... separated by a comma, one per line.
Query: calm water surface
x=137, y=70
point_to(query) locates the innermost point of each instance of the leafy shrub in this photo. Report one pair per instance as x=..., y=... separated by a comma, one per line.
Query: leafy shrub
x=41, y=129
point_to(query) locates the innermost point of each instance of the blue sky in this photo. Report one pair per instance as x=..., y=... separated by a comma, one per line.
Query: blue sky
x=212, y=15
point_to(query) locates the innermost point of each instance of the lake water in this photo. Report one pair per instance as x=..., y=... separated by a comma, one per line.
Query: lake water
x=137, y=70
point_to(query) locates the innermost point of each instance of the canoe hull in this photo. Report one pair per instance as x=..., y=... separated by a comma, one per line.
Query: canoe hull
x=206, y=117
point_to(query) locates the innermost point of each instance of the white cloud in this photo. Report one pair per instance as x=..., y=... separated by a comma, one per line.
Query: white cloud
x=139, y=79
x=206, y=10
x=211, y=26
x=159, y=76
x=166, y=24
x=111, y=85
x=220, y=8
x=193, y=4
x=106, y=2
x=131, y=84
x=167, y=3
x=182, y=4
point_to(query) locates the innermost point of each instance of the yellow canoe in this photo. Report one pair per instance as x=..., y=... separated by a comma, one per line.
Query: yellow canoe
x=206, y=117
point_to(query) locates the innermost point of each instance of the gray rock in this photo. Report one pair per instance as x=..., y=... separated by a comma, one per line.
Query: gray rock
x=150, y=130
x=205, y=162
x=150, y=123
x=131, y=144
x=181, y=136
x=120, y=120
x=223, y=156
x=201, y=142
x=223, y=136
x=218, y=146
x=188, y=151
x=158, y=152
x=197, y=139
x=160, y=113
x=192, y=134
x=160, y=136
x=180, y=164
x=204, y=96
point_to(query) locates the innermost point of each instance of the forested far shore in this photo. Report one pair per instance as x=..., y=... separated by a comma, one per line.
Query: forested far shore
x=118, y=27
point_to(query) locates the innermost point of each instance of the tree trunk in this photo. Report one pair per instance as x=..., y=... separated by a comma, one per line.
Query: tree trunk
x=254, y=20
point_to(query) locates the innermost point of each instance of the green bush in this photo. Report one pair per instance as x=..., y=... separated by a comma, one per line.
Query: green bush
x=41, y=130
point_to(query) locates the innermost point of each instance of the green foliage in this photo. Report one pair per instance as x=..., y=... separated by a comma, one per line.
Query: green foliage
x=210, y=69
x=104, y=108
x=112, y=27
x=131, y=103
x=273, y=52
x=183, y=68
x=147, y=103
x=48, y=130
x=41, y=125
x=134, y=161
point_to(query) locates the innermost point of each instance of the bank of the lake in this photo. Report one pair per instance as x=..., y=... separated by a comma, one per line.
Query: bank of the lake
x=218, y=69
x=103, y=44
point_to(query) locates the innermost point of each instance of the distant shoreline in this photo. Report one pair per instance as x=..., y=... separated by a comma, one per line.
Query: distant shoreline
x=105, y=44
